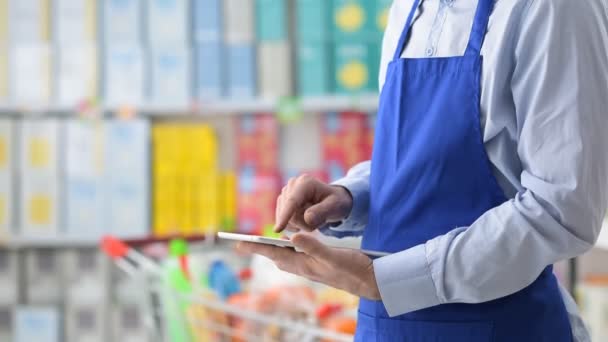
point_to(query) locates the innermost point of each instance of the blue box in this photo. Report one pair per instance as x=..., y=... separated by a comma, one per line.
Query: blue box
x=241, y=71
x=208, y=20
x=122, y=22
x=36, y=324
x=210, y=71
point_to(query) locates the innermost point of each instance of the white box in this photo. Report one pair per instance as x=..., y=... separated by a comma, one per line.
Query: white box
x=122, y=22
x=127, y=178
x=7, y=134
x=274, y=65
x=30, y=68
x=6, y=323
x=7, y=189
x=84, y=179
x=28, y=21
x=39, y=146
x=9, y=278
x=4, y=73
x=40, y=324
x=74, y=21
x=43, y=277
x=40, y=206
x=126, y=316
x=168, y=22
x=239, y=21
x=86, y=321
x=124, y=76
x=86, y=274
x=76, y=74
x=171, y=82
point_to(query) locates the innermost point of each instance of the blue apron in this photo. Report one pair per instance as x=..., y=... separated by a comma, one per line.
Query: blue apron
x=429, y=174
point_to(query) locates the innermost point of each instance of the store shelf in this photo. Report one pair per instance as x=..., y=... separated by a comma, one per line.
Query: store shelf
x=48, y=242
x=364, y=103
x=602, y=242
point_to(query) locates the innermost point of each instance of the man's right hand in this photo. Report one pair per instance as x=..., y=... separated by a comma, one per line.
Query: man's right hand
x=306, y=204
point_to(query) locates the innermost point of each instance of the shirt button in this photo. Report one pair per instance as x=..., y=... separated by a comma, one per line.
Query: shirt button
x=430, y=51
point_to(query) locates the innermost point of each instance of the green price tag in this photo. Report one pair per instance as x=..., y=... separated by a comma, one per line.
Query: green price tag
x=289, y=109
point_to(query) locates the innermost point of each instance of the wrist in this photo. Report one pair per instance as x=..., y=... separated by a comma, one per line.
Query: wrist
x=345, y=200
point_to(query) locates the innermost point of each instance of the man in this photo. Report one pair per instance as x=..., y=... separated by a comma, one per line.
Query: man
x=488, y=167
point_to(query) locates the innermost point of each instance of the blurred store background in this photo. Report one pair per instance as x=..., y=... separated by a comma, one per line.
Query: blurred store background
x=162, y=119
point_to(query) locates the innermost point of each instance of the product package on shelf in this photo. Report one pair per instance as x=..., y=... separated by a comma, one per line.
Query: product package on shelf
x=74, y=21
x=187, y=183
x=122, y=22
x=354, y=19
x=168, y=22
x=86, y=319
x=86, y=274
x=313, y=20
x=9, y=278
x=356, y=67
x=228, y=193
x=208, y=20
x=258, y=179
x=4, y=31
x=124, y=75
x=342, y=142
x=368, y=139
x=126, y=317
x=7, y=313
x=44, y=277
x=171, y=85
x=274, y=68
x=593, y=299
x=271, y=20
x=382, y=12
x=85, y=214
x=37, y=323
x=241, y=75
x=29, y=21
x=40, y=177
x=7, y=178
x=4, y=73
x=30, y=74
x=239, y=21
x=126, y=178
x=210, y=72
x=315, y=70
x=76, y=74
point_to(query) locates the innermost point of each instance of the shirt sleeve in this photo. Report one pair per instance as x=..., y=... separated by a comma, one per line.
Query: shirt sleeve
x=356, y=182
x=559, y=87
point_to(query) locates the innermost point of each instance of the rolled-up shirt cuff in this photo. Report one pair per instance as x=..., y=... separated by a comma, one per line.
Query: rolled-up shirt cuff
x=356, y=221
x=405, y=281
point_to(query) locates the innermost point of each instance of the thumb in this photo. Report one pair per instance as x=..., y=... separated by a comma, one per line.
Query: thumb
x=311, y=246
x=321, y=212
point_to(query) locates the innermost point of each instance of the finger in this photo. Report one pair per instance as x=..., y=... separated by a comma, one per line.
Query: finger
x=311, y=246
x=297, y=220
x=278, y=208
x=289, y=205
x=321, y=213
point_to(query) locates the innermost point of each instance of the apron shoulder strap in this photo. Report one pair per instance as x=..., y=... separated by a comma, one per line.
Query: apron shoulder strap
x=480, y=26
x=406, y=31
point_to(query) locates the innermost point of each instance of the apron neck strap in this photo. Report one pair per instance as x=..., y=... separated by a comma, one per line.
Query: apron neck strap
x=480, y=26
x=406, y=31
x=478, y=32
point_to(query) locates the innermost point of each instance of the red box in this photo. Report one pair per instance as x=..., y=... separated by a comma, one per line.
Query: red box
x=257, y=200
x=258, y=142
x=368, y=137
x=343, y=144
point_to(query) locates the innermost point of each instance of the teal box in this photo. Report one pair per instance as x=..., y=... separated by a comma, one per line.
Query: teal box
x=356, y=69
x=381, y=14
x=271, y=23
x=313, y=20
x=354, y=20
x=314, y=69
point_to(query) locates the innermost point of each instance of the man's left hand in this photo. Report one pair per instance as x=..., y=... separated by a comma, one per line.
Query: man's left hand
x=349, y=270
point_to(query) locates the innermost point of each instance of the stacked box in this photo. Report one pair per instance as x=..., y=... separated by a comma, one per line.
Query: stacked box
x=240, y=48
x=85, y=213
x=209, y=49
x=168, y=22
x=43, y=277
x=122, y=22
x=314, y=68
x=356, y=67
x=382, y=13
x=259, y=178
x=76, y=73
x=30, y=73
x=343, y=142
x=126, y=316
x=40, y=205
x=354, y=20
x=28, y=21
x=85, y=320
x=6, y=322
x=186, y=180
x=9, y=278
x=170, y=76
x=124, y=75
x=74, y=22
x=127, y=177
x=37, y=324
x=7, y=177
x=368, y=136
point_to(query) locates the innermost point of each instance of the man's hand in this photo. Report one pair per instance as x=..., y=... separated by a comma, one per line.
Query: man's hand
x=306, y=204
x=349, y=270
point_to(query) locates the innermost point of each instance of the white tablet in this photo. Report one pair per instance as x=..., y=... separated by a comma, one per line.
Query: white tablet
x=283, y=243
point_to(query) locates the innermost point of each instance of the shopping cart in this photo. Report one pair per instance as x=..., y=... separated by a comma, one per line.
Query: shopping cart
x=196, y=314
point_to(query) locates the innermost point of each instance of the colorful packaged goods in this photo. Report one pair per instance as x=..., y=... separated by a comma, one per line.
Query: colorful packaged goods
x=343, y=136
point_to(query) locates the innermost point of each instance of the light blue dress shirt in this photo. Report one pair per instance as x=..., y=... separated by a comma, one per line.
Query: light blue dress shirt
x=544, y=120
